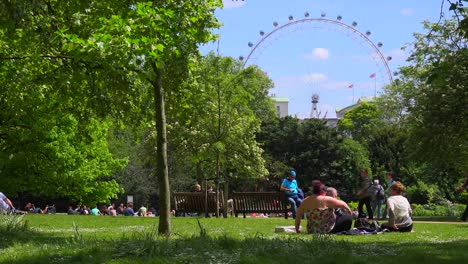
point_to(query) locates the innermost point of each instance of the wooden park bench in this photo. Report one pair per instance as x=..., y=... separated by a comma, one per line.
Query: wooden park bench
x=194, y=202
x=260, y=202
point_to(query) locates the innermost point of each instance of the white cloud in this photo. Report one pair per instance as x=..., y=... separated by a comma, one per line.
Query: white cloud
x=318, y=54
x=233, y=3
x=407, y=11
x=300, y=83
x=314, y=77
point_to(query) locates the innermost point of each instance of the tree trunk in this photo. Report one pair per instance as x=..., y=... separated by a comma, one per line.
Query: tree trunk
x=161, y=156
x=226, y=192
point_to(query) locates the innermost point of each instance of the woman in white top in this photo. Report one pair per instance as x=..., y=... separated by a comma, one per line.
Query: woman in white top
x=398, y=210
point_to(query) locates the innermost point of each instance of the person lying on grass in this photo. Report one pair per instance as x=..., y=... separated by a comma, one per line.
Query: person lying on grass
x=398, y=210
x=30, y=208
x=320, y=208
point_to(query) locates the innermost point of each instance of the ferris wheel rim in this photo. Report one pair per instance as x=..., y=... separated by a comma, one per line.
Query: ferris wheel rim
x=325, y=20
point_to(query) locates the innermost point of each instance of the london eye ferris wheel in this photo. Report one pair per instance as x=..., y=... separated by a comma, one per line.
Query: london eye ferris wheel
x=311, y=31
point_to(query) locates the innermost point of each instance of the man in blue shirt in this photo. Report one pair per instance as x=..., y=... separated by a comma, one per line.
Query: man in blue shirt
x=290, y=188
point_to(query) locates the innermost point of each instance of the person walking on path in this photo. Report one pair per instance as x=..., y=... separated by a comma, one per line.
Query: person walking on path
x=378, y=197
x=365, y=195
x=461, y=188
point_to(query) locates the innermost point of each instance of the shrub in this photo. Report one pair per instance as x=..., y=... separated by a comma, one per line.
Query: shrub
x=437, y=210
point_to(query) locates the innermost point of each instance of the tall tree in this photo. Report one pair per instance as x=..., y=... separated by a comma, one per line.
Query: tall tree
x=217, y=128
x=432, y=93
x=360, y=121
x=108, y=56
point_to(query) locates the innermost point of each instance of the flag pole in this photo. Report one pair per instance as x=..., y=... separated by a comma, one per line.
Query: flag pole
x=353, y=93
x=375, y=87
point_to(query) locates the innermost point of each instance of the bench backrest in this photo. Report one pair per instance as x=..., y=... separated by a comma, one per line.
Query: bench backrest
x=194, y=202
x=259, y=202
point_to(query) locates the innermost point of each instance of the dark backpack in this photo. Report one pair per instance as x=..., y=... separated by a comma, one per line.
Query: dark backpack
x=363, y=224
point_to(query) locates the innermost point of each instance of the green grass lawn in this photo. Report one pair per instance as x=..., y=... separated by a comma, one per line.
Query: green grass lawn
x=103, y=239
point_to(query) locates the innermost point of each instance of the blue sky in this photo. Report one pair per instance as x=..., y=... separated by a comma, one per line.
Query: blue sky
x=321, y=57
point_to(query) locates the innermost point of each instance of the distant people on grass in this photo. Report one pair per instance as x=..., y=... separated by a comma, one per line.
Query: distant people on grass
x=112, y=210
x=364, y=195
x=104, y=210
x=378, y=197
x=465, y=188
x=399, y=210
x=321, y=218
x=70, y=211
x=95, y=211
x=120, y=210
x=129, y=210
x=154, y=211
x=6, y=206
x=83, y=210
x=50, y=209
x=142, y=211
x=290, y=187
x=30, y=208
x=344, y=220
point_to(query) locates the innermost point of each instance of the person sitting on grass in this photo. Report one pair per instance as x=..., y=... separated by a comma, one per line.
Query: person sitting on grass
x=95, y=211
x=129, y=210
x=320, y=208
x=142, y=211
x=343, y=220
x=70, y=211
x=398, y=210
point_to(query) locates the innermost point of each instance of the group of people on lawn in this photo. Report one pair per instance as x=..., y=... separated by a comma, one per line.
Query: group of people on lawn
x=6, y=206
x=112, y=210
x=323, y=211
x=326, y=214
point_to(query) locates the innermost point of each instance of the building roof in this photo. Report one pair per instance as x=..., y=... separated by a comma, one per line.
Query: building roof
x=280, y=99
x=360, y=101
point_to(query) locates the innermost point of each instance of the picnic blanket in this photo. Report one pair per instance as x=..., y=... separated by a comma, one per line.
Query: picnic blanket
x=357, y=231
